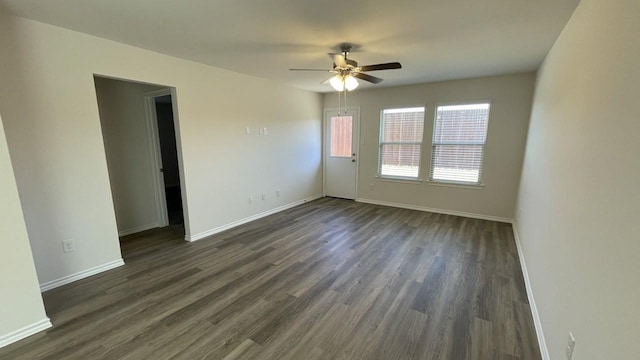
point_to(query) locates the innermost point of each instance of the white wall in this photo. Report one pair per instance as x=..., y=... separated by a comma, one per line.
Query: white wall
x=20, y=303
x=129, y=159
x=511, y=104
x=579, y=221
x=53, y=130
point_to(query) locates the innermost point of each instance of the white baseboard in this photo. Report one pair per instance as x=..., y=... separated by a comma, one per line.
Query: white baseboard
x=433, y=210
x=26, y=331
x=532, y=303
x=80, y=275
x=137, y=229
x=222, y=228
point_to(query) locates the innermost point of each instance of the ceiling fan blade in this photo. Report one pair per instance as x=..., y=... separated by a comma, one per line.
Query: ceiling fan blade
x=338, y=59
x=309, y=70
x=385, y=66
x=369, y=78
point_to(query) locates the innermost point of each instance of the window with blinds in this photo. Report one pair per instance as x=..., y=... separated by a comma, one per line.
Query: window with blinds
x=459, y=136
x=400, y=142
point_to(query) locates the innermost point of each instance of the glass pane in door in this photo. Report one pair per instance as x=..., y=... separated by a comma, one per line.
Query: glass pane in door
x=341, y=136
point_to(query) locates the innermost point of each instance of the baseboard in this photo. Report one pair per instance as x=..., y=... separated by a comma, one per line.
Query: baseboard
x=26, y=331
x=433, y=210
x=80, y=275
x=222, y=228
x=137, y=229
x=532, y=303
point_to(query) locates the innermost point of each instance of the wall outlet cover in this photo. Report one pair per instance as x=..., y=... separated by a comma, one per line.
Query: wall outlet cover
x=68, y=246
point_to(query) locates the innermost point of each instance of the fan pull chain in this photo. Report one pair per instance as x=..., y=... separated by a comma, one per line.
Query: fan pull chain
x=345, y=100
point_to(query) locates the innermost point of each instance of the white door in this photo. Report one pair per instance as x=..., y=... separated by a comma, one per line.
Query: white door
x=341, y=153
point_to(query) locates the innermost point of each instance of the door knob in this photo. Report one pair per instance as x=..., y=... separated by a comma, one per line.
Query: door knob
x=353, y=160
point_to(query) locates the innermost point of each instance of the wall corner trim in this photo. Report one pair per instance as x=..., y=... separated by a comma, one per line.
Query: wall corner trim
x=228, y=226
x=26, y=331
x=81, y=275
x=434, y=210
x=544, y=351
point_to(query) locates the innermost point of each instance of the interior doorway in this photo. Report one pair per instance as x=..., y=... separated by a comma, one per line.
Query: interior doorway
x=341, y=129
x=142, y=146
x=168, y=171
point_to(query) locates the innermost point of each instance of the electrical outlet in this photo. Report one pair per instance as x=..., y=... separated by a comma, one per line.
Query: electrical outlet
x=571, y=344
x=265, y=131
x=68, y=246
x=250, y=199
x=247, y=130
x=278, y=192
x=371, y=187
x=264, y=196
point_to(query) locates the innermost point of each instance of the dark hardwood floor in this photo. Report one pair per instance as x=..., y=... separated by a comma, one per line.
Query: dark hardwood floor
x=330, y=279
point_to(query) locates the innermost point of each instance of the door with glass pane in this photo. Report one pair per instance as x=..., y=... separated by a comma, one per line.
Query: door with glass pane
x=341, y=153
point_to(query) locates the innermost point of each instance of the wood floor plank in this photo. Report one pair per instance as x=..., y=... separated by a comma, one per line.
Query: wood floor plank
x=330, y=279
x=246, y=350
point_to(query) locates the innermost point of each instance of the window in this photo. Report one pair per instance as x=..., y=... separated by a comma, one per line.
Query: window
x=401, y=142
x=341, y=136
x=459, y=135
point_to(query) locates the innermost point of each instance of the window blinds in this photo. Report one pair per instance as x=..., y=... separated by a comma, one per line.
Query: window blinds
x=401, y=142
x=459, y=136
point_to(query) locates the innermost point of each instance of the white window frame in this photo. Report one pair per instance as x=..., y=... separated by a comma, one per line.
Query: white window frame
x=381, y=144
x=478, y=184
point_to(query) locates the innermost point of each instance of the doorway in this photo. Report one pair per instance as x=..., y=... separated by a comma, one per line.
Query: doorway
x=160, y=112
x=168, y=167
x=341, y=130
x=142, y=145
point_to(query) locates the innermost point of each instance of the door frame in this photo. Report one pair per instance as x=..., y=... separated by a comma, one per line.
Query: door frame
x=356, y=133
x=156, y=155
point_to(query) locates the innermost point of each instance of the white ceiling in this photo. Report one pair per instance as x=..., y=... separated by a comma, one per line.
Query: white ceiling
x=433, y=39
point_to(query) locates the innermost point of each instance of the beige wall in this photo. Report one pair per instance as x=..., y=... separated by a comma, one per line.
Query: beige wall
x=53, y=130
x=579, y=221
x=129, y=159
x=510, y=96
x=20, y=302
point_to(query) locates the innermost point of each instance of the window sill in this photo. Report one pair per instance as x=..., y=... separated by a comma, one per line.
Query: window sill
x=429, y=182
x=398, y=179
x=455, y=185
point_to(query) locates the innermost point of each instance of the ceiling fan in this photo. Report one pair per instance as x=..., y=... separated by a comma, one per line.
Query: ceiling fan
x=347, y=70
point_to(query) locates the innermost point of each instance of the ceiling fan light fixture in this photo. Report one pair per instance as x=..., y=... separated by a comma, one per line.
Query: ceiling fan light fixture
x=337, y=83
x=342, y=82
x=348, y=72
x=350, y=82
